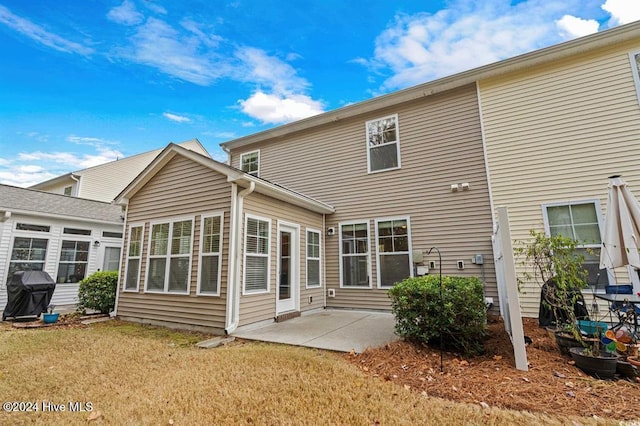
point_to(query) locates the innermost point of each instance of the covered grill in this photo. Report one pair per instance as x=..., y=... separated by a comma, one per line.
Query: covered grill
x=28, y=294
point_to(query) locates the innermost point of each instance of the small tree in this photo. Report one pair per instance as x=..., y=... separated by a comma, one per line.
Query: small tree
x=557, y=268
x=422, y=316
x=98, y=292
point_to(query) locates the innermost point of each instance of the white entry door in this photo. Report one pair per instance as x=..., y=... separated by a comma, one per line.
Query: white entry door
x=288, y=267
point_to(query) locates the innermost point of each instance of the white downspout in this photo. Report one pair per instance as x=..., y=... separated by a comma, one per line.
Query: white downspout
x=235, y=250
x=323, y=259
x=123, y=251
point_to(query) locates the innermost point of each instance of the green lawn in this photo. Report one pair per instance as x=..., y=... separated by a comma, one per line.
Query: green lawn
x=133, y=374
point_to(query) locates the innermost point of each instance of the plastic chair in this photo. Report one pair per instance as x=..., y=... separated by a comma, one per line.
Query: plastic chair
x=622, y=309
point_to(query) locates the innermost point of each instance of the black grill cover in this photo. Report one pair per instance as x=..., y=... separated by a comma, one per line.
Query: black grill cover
x=28, y=294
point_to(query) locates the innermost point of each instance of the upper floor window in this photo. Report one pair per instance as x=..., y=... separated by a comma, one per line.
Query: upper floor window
x=383, y=144
x=68, y=190
x=250, y=163
x=580, y=221
x=169, y=262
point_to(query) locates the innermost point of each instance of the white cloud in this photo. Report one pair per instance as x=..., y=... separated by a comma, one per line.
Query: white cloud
x=40, y=35
x=158, y=45
x=125, y=14
x=422, y=47
x=23, y=179
x=258, y=67
x=275, y=109
x=622, y=11
x=176, y=118
x=573, y=26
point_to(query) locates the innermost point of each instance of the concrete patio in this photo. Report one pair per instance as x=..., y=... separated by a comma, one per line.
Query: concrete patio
x=336, y=330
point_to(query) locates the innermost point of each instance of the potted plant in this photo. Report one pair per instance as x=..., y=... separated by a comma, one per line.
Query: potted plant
x=594, y=361
x=49, y=317
x=555, y=265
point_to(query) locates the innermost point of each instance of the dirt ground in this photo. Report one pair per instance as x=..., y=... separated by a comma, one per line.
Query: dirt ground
x=553, y=385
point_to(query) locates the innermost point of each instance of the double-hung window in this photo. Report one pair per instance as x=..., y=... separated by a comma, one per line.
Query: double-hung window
x=355, y=260
x=394, y=248
x=28, y=254
x=313, y=259
x=383, y=144
x=250, y=163
x=210, y=254
x=134, y=256
x=74, y=256
x=580, y=221
x=170, y=256
x=256, y=255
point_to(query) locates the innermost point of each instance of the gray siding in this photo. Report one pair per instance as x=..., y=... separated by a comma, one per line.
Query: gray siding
x=440, y=143
x=181, y=189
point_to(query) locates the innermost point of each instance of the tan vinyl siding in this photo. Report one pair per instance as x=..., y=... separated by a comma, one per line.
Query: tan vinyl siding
x=181, y=189
x=555, y=133
x=104, y=182
x=440, y=144
x=260, y=307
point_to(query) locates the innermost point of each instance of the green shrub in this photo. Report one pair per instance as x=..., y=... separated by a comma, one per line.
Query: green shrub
x=98, y=292
x=460, y=318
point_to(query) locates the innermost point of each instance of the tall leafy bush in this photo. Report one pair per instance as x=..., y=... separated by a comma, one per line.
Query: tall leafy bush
x=459, y=316
x=98, y=292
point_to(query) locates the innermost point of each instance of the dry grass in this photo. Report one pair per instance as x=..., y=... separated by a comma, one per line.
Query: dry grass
x=141, y=375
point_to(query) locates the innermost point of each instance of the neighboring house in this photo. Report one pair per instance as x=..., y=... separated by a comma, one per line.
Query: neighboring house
x=105, y=181
x=557, y=123
x=331, y=212
x=67, y=237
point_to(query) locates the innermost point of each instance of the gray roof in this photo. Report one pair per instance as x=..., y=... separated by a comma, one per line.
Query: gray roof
x=22, y=200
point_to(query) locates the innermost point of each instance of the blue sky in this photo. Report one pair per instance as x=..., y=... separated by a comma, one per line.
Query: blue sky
x=86, y=82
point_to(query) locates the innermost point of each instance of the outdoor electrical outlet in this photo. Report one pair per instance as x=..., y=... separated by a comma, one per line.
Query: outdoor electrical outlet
x=310, y=299
x=432, y=264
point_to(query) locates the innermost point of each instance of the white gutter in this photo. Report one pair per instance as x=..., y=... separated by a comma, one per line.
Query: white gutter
x=124, y=249
x=235, y=250
x=5, y=216
x=32, y=213
x=77, y=180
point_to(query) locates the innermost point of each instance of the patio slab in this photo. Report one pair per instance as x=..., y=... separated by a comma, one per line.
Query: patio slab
x=335, y=330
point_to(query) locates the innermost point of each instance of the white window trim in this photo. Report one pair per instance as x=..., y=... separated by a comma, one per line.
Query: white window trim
x=396, y=142
x=168, y=256
x=410, y=252
x=244, y=257
x=307, y=258
x=598, y=207
x=126, y=262
x=219, y=254
x=635, y=72
x=595, y=201
x=58, y=261
x=351, y=222
x=31, y=235
x=257, y=172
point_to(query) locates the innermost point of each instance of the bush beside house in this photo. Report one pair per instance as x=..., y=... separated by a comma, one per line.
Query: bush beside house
x=423, y=316
x=98, y=292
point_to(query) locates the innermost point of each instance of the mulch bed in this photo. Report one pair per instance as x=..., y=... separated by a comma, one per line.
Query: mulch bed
x=553, y=385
